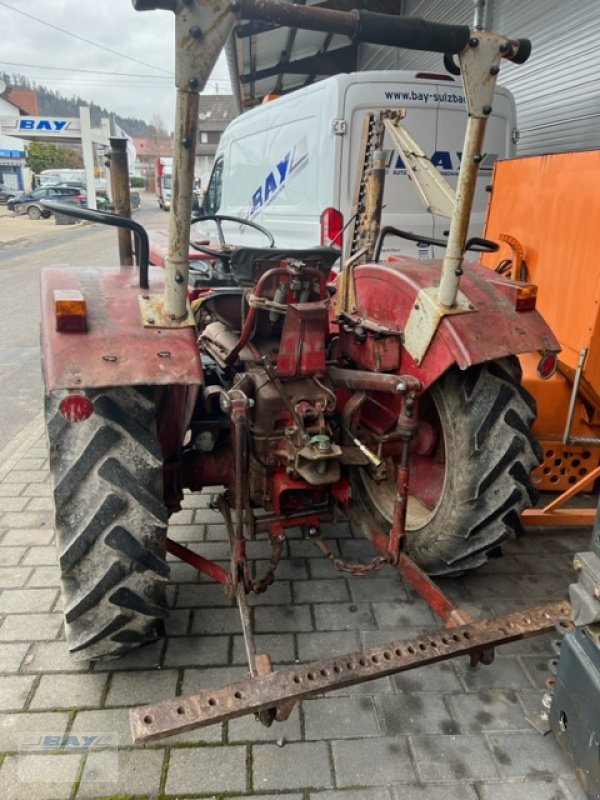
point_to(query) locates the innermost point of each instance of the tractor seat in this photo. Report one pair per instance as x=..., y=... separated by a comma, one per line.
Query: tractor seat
x=249, y=263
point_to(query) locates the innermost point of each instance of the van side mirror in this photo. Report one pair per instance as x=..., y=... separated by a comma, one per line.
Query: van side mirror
x=198, y=203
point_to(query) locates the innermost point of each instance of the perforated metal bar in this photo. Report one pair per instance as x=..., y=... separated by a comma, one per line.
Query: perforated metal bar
x=210, y=706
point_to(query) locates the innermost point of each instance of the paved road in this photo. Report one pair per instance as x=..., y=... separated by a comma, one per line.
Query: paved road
x=20, y=265
x=442, y=732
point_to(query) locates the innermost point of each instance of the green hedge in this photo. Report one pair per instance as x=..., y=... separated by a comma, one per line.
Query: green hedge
x=137, y=182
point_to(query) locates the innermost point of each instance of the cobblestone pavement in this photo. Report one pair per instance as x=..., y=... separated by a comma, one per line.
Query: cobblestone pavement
x=444, y=731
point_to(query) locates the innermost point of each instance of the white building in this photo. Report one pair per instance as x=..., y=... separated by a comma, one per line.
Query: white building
x=12, y=152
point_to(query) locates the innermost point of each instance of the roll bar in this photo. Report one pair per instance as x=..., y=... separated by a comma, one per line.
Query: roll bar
x=201, y=29
x=410, y=33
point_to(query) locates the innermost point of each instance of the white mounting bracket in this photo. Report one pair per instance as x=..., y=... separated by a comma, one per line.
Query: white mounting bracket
x=425, y=317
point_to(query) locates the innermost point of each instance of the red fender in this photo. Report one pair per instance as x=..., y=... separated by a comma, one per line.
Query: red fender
x=386, y=295
x=116, y=349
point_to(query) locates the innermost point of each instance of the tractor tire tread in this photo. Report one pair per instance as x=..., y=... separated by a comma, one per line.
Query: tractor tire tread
x=111, y=522
x=486, y=417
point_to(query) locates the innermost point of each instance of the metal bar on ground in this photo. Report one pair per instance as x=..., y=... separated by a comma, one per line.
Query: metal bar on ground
x=211, y=568
x=569, y=517
x=251, y=695
x=422, y=584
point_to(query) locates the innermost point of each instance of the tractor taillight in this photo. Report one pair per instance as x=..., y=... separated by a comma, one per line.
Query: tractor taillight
x=526, y=297
x=70, y=310
x=76, y=407
x=332, y=227
x=547, y=365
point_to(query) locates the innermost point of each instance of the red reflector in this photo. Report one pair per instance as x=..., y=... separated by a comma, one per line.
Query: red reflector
x=525, y=304
x=526, y=297
x=71, y=323
x=547, y=365
x=332, y=227
x=76, y=407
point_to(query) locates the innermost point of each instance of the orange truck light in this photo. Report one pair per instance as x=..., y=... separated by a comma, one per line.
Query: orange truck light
x=70, y=310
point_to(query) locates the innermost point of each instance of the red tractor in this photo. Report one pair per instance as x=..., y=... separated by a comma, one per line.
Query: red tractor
x=391, y=395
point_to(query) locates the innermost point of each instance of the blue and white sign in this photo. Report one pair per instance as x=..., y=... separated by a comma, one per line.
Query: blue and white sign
x=41, y=127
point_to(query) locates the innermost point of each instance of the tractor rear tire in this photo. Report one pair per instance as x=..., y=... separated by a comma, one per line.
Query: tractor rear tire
x=481, y=471
x=110, y=521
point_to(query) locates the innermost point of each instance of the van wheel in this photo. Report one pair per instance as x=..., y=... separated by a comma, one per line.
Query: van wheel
x=110, y=521
x=467, y=496
x=33, y=212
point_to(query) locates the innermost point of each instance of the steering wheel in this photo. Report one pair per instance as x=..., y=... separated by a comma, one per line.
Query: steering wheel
x=224, y=254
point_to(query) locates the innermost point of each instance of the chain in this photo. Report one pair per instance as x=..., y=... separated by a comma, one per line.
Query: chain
x=261, y=584
x=358, y=570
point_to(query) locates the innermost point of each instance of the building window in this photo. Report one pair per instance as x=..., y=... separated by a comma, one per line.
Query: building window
x=203, y=137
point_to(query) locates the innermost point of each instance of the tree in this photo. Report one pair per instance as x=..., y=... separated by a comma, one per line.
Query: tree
x=72, y=159
x=158, y=135
x=44, y=155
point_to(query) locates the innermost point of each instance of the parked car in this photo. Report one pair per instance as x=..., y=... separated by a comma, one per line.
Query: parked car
x=30, y=204
x=104, y=202
x=6, y=194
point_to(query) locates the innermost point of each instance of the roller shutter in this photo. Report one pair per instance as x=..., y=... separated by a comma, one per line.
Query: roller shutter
x=557, y=91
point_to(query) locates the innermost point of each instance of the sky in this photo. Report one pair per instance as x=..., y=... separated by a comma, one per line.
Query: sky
x=71, y=66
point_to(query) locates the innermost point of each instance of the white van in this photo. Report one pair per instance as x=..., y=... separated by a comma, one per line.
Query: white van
x=291, y=164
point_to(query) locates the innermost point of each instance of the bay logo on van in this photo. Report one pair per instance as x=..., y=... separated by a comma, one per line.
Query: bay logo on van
x=446, y=161
x=426, y=97
x=281, y=175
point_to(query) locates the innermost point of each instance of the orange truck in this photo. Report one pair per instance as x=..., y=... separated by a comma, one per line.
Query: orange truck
x=544, y=211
